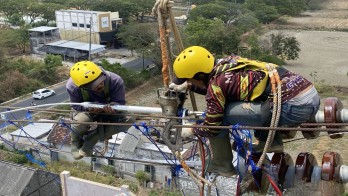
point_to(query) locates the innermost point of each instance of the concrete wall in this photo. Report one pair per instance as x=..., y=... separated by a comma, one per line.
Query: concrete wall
x=79, y=36
x=72, y=186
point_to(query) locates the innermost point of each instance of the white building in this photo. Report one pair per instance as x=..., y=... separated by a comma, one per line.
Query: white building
x=84, y=25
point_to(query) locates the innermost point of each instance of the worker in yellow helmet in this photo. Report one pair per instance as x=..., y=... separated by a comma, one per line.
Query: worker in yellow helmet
x=235, y=79
x=90, y=83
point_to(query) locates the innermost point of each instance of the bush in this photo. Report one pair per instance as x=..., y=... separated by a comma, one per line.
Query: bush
x=271, y=59
x=108, y=169
x=131, y=78
x=133, y=187
x=142, y=176
x=18, y=158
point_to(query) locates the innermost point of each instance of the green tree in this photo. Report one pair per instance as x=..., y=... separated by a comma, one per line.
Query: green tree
x=265, y=13
x=143, y=7
x=142, y=38
x=285, y=47
x=131, y=78
x=15, y=39
x=9, y=7
x=48, y=11
x=15, y=20
x=138, y=35
x=247, y=22
x=33, y=11
x=80, y=4
x=209, y=11
x=288, y=7
x=126, y=8
x=47, y=71
x=213, y=35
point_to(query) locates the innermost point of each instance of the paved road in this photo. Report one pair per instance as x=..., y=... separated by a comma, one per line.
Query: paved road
x=138, y=64
x=61, y=96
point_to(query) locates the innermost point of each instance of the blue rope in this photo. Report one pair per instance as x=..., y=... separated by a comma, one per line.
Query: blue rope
x=31, y=158
x=152, y=141
x=242, y=137
x=28, y=116
x=113, y=146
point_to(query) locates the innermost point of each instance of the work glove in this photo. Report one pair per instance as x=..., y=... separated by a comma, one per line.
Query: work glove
x=178, y=88
x=186, y=131
x=108, y=109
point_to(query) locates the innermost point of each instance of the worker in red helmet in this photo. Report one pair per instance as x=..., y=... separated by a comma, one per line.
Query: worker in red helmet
x=236, y=79
x=90, y=83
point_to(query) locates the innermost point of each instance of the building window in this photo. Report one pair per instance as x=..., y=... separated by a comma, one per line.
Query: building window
x=148, y=168
x=82, y=25
x=88, y=26
x=111, y=162
x=74, y=24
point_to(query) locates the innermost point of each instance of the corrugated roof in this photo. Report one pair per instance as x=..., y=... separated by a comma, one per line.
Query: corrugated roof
x=35, y=130
x=13, y=180
x=59, y=134
x=77, y=45
x=19, y=180
x=43, y=29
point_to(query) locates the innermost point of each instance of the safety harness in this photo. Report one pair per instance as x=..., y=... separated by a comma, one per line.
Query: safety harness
x=263, y=88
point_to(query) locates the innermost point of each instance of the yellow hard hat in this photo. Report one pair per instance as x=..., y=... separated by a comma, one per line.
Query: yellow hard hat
x=84, y=72
x=193, y=60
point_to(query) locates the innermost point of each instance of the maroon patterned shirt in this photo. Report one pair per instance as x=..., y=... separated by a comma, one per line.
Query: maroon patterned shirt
x=238, y=85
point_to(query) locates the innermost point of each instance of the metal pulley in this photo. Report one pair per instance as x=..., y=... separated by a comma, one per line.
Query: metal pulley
x=169, y=101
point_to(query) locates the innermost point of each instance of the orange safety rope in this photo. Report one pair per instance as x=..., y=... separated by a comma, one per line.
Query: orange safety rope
x=160, y=10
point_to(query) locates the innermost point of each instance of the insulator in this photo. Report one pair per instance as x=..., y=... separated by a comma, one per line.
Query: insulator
x=344, y=115
x=316, y=174
x=279, y=166
x=319, y=117
x=304, y=164
x=343, y=174
x=332, y=108
x=329, y=163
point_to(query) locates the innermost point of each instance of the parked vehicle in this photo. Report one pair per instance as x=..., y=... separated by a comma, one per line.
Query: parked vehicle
x=43, y=93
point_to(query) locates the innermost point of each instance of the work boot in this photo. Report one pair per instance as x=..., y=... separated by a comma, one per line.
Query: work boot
x=76, y=144
x=92, y=139
x=77, y=132
x=276, y=146
x=221, y=153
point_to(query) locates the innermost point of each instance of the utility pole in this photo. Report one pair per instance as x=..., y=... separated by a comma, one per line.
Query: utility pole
x=90, y=38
